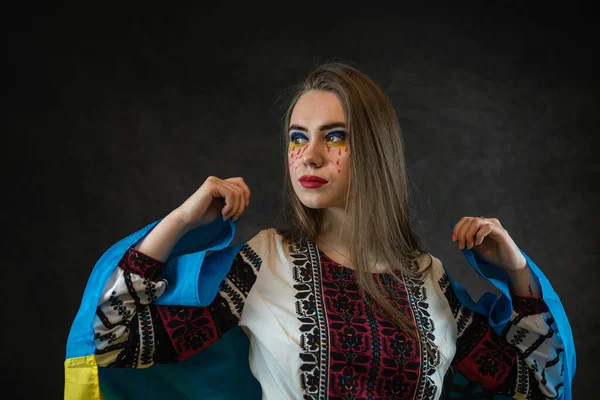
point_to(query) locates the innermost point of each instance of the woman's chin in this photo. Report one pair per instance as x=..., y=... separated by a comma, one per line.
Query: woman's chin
x=314, y=204
x=317, y=204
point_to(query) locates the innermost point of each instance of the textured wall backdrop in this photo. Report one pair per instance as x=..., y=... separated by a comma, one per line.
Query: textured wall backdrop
x=119, y=115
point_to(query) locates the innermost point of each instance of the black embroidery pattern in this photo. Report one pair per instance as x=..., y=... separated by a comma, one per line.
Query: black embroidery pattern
x=161, y=334
x=484, y=353
x=140, y=264
x=150, y=290
x=310, y=311
x=522, y=381
x=146, y=336
x=240, y=279
x=519, y=336
x=430, y=355
x=474, y=335
x=315, y=354
x=528, y=305
x=117, y=304
x=192, y=329
x=463, y=315
x=128, y=358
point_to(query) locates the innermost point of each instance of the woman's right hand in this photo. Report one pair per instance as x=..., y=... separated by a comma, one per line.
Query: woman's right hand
x=215, y=198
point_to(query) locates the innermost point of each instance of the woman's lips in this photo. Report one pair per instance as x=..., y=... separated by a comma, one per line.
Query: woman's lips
x=311, y=184
x=312, y=181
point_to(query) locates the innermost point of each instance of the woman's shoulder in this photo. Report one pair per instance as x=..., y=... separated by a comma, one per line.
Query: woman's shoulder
x=267, y=240
x=270, y=248
x=267, y=234
x=429, y=266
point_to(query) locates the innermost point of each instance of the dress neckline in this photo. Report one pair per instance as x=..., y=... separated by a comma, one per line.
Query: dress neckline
x=331, y=259
x=336, y=264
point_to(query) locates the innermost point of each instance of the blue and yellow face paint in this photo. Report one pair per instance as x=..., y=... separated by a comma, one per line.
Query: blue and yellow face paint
x=336, y=144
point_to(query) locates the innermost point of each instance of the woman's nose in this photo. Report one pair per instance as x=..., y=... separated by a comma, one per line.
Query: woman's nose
x=312, y=155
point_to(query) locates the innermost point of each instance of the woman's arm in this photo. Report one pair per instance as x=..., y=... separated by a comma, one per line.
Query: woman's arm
x=192, y=281
x=159, y=243
x=524, y=361
x=515, y=347
x=201, y=208
x=132, y=332
x=523, y=284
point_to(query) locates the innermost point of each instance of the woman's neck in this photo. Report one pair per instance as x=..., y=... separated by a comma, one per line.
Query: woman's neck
x=335, y=228
x=334, y=235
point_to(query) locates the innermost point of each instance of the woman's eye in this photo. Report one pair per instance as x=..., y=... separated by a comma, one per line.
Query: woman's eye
x=336, y=137
x=297, y=138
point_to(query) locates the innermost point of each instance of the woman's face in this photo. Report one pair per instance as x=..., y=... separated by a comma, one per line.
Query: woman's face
x=319, y=148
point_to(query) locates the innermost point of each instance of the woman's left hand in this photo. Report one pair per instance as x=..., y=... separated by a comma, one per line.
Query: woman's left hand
x=491, y=241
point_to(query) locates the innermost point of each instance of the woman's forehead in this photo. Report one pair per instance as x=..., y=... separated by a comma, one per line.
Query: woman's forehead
x=317, y=107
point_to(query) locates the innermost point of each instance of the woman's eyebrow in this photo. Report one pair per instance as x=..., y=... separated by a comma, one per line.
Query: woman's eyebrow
x=325, y=127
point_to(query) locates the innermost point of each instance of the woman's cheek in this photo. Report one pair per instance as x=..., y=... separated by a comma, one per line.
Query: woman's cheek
x=295, y=156
x=338, y=157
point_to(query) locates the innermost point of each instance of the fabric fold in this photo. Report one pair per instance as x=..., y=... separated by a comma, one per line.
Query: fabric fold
x=189, y=284
x=499, y=308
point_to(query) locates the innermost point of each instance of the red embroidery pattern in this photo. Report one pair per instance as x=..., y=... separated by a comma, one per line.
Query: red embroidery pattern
x=491, y=360
x=140, y=264
x=528, y=305
x=369, y=356
x=191, y=329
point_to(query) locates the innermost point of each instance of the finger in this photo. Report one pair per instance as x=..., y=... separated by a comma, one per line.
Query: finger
x=241, y=205
x=230, y=204
x=239, y=181
x=230, y=200
x=241, y=201
x=457, y=228
x=246, y=190
x=471, y=231
x=483, y=231
x=234, y=199
x=218, y=191
x=462, y=231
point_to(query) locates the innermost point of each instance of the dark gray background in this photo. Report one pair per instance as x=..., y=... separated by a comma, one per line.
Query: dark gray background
x=117, y=116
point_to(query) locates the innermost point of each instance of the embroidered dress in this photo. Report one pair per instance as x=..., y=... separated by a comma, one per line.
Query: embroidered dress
x=311, y=335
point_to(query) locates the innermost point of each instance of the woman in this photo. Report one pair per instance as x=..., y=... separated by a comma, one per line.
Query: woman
x=345, y=304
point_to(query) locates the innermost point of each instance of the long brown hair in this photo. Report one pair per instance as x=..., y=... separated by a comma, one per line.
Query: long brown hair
x=377, y=201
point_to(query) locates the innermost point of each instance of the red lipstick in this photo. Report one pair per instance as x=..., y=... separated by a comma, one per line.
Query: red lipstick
x=312, y=181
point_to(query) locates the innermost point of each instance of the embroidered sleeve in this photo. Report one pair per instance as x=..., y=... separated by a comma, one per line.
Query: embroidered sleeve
x=524, y=362
x=133, y=332
x=528, y=305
